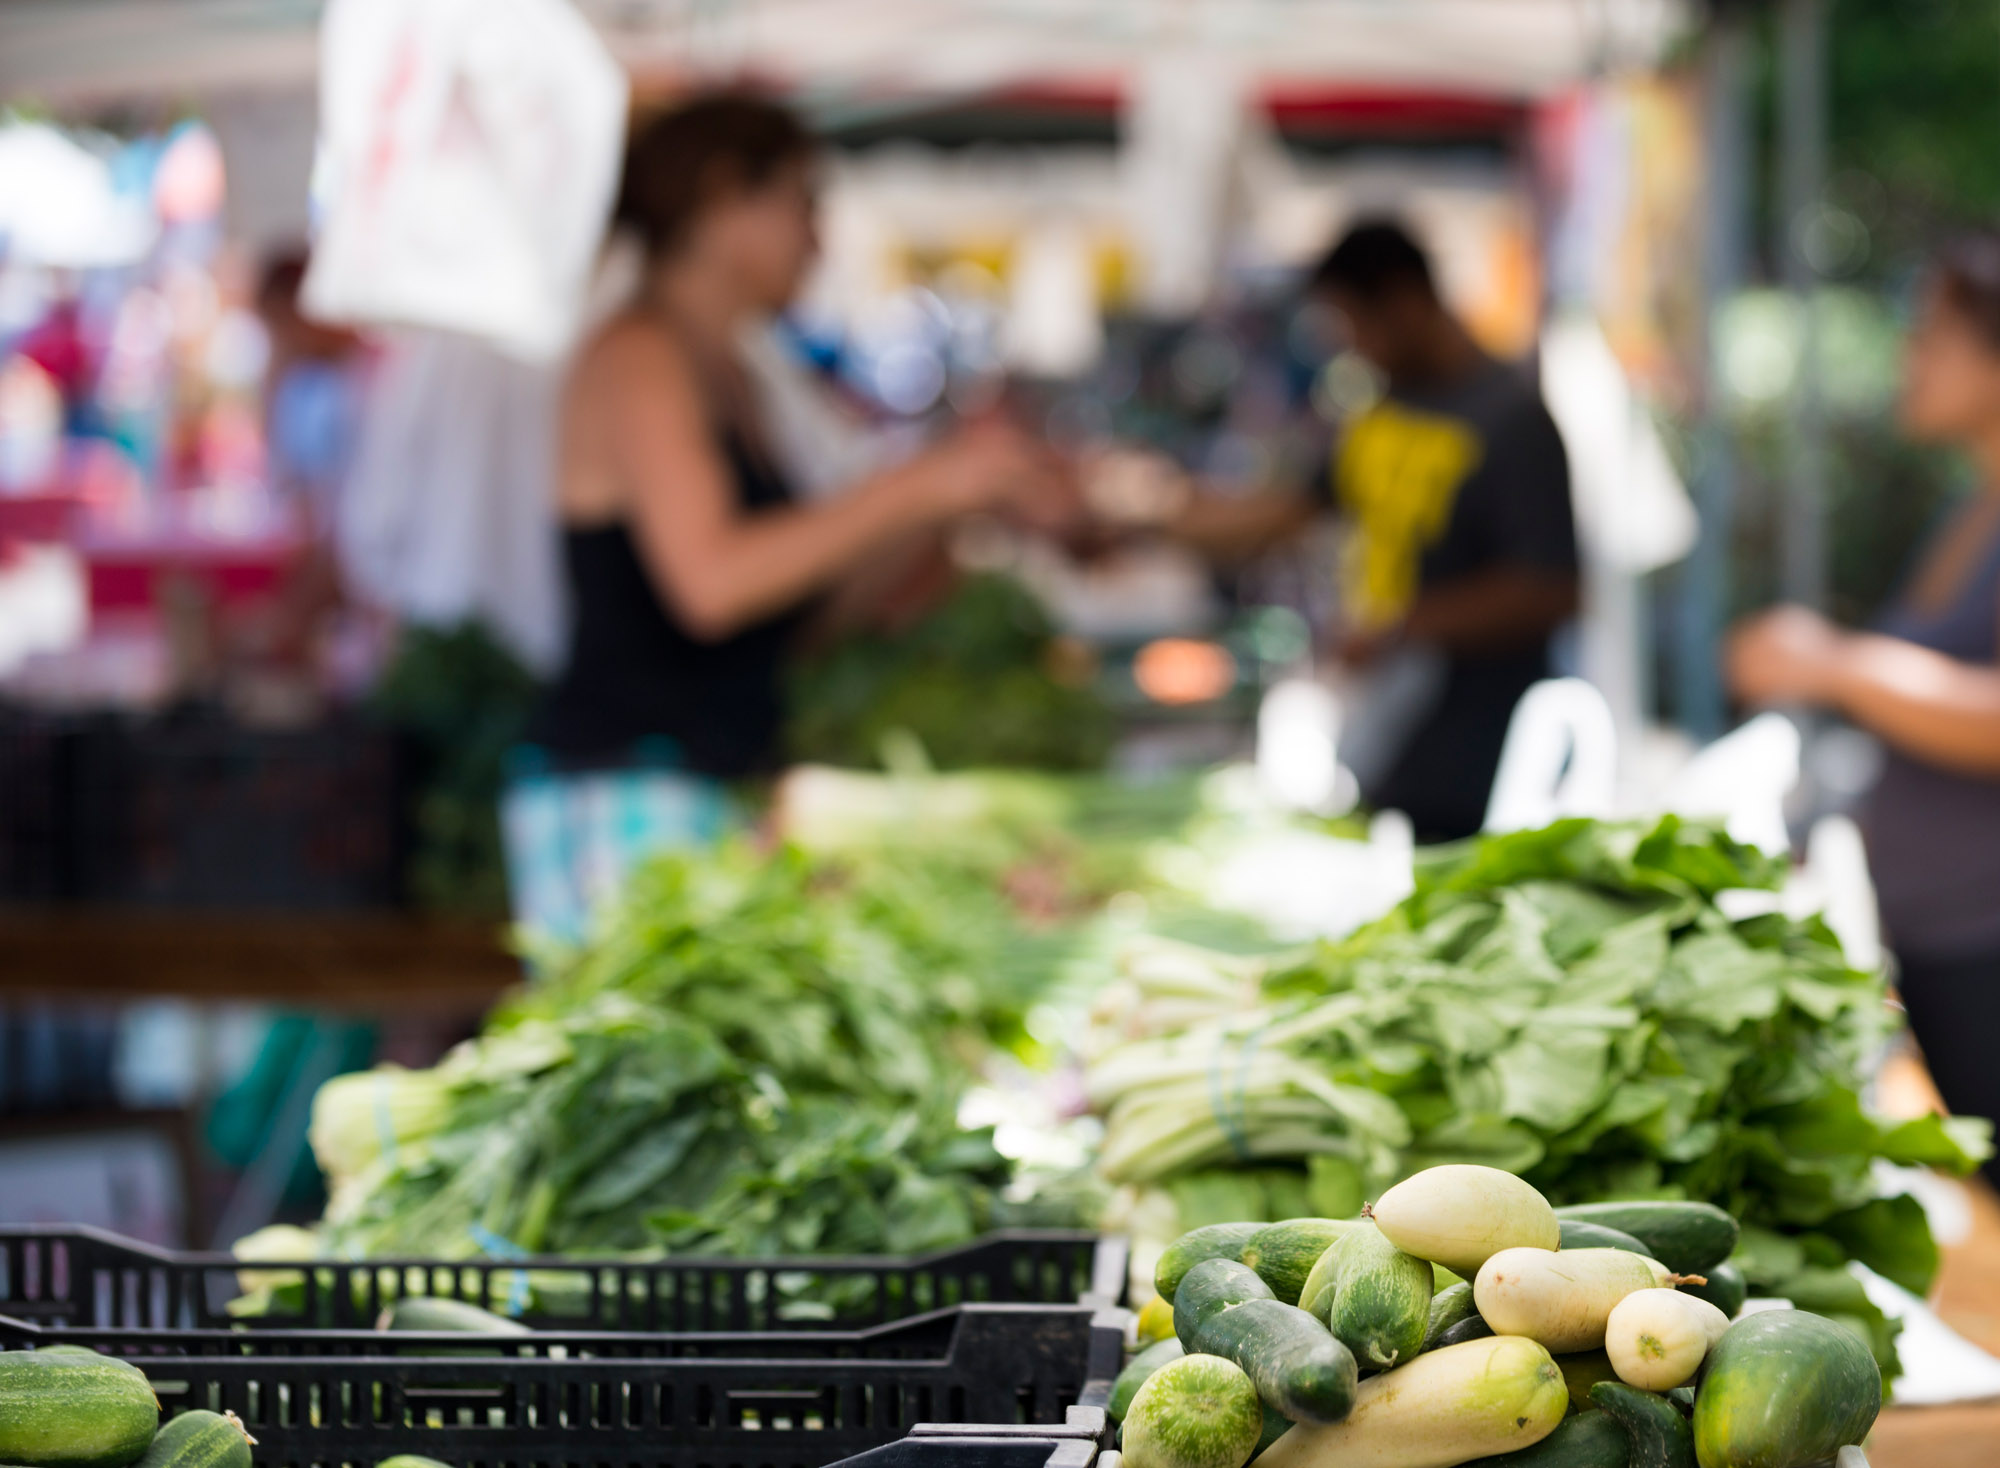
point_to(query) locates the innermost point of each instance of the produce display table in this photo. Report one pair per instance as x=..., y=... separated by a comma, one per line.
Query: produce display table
x=1969, y=1302
x=349, y=962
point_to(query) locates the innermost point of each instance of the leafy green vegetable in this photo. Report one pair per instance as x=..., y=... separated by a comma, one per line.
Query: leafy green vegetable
x=755, y=1054
x=1569, y=1004
x=974, y=683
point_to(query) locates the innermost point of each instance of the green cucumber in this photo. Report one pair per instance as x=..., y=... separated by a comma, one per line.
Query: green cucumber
x=1583, y=1370
x=1197, y=1412
x=1135, y=1373
x=1380, y=1299
x=1577, y=1234
x=1726, y=1289
x=199, y=1440
x=70, y=1410
x=1784, y=1387
x=1283, y=1254
x=435, y=1312
x=1293, y=1361
x=1661, y=1437
x=1585, y=1440
x=1472, y=1328
x=1212, y=1286
x=1276, y=1425
x=1448, y=1308
x=410, y=1460
x=1686, y=1237
x=1216, y=1241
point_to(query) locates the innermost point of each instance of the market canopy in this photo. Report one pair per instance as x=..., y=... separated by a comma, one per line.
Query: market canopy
x=86, y=51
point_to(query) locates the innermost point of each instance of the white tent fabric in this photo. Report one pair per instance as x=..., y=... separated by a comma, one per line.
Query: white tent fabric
x=82, y=50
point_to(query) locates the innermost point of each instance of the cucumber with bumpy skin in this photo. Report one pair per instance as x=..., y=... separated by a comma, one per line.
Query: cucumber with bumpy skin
x=1211, y=1286
x=59, y=1410
x=1686, y=1237
x=1448, y=1308
x=1283, y=1254
x=1294, y=1362
x=1276, y=1425
x=1585, y=1440
x=1197, y=1412
x=1135, y=1373
x=1661, y=1437
x=1782, y=1388
x=199, y=1439
x=1216, y=1241
x=1380, y=1299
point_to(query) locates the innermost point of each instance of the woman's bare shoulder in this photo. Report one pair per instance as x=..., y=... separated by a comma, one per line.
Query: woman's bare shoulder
x=632, y=353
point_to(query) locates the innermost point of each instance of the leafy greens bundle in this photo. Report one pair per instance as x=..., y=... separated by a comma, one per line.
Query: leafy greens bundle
x=1570, y=1004
x=975, y=683
x=758, y=1054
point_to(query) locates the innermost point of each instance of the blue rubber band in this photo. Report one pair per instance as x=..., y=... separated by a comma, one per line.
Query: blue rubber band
x=499, y=1248
x=385, y=1122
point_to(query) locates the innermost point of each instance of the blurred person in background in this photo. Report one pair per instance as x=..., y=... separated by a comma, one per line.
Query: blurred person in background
x=1926, y=682
x=1456, y=490
x=692, y=565
x=314, y=380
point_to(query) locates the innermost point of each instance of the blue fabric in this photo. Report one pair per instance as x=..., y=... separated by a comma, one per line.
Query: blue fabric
x=572, y=838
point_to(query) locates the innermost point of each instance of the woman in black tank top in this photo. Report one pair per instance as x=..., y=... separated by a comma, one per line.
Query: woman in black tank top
x=690, y=566
x=1927, y=682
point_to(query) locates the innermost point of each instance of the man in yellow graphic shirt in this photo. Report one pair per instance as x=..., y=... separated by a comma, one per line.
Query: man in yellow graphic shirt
x=1456, y=490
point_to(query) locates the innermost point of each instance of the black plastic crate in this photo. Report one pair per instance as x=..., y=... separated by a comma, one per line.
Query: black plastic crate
x=194, y=810
x=76, y=1278
x=38, y=856
x=785, y=1399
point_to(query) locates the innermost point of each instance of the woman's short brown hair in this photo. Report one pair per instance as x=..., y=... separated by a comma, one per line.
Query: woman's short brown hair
x=713, y=144
x=1967, y=271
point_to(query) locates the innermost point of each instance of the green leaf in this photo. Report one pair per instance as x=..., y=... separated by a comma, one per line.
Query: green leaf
x=1957, y=1144
x=1892, y=1237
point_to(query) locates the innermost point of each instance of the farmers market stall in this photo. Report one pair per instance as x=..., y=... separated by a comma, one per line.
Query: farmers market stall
x=973, y=1117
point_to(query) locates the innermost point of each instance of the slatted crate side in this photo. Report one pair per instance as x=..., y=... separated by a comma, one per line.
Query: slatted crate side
x=688, y=1407
x=79, y=1277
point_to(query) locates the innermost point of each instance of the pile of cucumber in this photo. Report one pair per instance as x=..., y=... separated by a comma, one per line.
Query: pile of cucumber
x=69, y=1407
x=1463, y=1320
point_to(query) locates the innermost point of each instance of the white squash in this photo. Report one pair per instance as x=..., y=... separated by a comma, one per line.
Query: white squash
x=1656, y=1339
x=1561, y=1299
x=1447, y=1407
x=1460, y=1215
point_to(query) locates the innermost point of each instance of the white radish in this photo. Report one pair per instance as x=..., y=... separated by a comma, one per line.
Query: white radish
x=1562, y=1299
x=1445, y=1407
x=1656, y=1339
x=1460, y=1215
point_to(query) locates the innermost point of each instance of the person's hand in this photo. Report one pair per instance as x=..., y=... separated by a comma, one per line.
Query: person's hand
x=989, y=464
x=981, y=466
x=1360, y=647
x=1786, y=655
